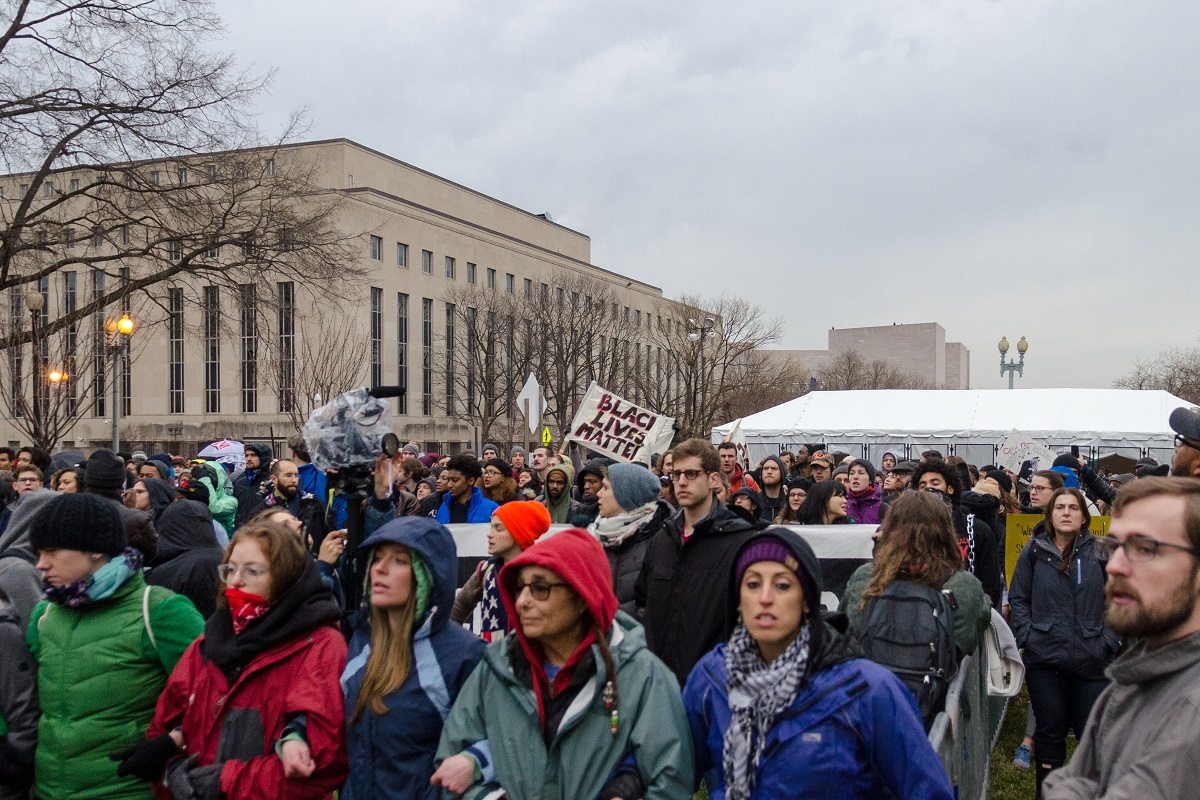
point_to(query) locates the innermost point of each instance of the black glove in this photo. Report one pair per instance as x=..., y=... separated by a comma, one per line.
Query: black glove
x=626, y=785
x=147, y=759
x=186, y=781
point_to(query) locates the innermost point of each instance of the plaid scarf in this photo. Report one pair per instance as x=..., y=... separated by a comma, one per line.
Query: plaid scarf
x=758, y=693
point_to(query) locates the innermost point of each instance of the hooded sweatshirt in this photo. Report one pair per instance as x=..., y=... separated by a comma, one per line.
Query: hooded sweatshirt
x=188, y=556
x=18, y=578
x=161, y=494
x=1143, y=736
x=561, y=511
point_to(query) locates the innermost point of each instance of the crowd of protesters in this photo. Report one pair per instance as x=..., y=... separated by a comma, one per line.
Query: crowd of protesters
x=179, y=627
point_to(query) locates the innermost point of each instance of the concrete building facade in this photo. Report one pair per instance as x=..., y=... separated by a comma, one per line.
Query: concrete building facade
x=918, y=350
x=420, y=235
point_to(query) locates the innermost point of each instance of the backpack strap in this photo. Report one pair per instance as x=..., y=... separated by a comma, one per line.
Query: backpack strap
x=146, y=617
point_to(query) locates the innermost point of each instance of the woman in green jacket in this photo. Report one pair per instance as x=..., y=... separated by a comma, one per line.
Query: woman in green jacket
x=104, y=643
x=570, y=704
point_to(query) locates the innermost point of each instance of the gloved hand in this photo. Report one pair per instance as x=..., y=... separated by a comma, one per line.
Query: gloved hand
x=186, y=781
x=147, y=759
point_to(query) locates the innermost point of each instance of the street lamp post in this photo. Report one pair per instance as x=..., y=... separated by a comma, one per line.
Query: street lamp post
x=702, y=331
x=117, y=338
x=1011, y=367
x=34, y=301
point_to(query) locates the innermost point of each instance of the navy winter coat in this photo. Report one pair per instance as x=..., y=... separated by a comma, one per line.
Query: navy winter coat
x=1058, y=615
x=853, y=731
x=391, y=756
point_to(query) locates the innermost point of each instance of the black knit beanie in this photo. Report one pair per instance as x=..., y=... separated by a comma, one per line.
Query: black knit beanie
x=83, y=522
x=104, y=471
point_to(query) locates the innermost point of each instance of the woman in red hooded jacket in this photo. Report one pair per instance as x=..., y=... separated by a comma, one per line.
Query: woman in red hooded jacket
x=266, y=669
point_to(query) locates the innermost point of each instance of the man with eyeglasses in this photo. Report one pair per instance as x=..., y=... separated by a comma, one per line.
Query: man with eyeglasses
x=1142, y=739
x=1186, y=424
x=687, y=601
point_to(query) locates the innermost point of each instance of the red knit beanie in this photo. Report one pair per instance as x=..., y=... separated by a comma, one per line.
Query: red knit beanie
x=526, y=520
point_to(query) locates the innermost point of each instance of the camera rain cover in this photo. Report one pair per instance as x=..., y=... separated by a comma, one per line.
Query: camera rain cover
x=348, y=430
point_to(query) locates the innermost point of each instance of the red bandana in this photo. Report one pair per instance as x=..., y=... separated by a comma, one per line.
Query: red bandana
x=244, y=608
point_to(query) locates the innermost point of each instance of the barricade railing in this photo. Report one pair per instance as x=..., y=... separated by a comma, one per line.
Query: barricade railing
x=965, y=732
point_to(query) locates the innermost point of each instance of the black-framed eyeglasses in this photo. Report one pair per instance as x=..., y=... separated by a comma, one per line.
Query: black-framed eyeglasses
x=539, y=589
x=1183, y=441
x=690, y=474
x=1138, y=548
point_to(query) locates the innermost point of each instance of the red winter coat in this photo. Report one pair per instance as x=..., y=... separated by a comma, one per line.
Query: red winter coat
x=299, y=677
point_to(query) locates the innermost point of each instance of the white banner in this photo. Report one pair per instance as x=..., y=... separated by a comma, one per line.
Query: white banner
x=614, y=426
x=1020, y=447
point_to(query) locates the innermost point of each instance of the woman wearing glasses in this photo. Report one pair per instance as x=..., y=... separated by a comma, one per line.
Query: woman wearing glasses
x=571, y=704
x=498, y=484
x=264, y=672
x=1057, y=601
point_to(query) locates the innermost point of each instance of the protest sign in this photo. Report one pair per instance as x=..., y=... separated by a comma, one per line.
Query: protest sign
x=1019, y=447
x=1019, y=530
x=614, y=426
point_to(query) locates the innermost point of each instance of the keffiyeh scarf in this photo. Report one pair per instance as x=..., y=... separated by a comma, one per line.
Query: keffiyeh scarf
x=758, y=693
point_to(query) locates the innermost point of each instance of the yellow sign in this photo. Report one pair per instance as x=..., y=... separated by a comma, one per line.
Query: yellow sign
x=1019, y=531
x=546, y=437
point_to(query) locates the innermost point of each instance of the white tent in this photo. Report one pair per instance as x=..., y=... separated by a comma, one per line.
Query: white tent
x=968, y=422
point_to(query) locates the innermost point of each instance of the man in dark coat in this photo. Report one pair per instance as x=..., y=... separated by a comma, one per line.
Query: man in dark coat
x=687, y=601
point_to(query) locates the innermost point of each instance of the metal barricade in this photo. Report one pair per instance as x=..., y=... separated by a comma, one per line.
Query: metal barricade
x=964, y=733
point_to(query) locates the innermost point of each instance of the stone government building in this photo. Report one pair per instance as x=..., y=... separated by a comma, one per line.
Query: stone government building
x=187, y=384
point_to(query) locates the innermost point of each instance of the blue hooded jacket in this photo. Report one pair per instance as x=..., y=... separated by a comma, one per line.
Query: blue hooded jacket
x=391, y=756
x=480, y=509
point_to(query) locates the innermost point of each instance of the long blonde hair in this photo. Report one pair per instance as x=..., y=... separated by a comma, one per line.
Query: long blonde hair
x=391, y=658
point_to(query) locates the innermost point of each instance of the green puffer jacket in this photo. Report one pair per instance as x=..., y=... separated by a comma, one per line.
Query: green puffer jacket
x=495, y=714
x=223, y=505
x=99, y=678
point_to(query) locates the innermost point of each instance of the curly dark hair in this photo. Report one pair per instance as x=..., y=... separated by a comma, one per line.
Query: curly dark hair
x=948, y=472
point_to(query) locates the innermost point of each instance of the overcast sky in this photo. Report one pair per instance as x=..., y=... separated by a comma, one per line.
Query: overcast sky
x=1020, y=168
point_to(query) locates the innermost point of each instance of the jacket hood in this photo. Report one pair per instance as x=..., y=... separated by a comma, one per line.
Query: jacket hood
x=578, y=558
x=434, y=545
x=565, y=469
x=16, y=535
x=980, y=504
x=596, y=466
x=263, y=450
x=184, y=525
x=1142, y=665
x=161, y=494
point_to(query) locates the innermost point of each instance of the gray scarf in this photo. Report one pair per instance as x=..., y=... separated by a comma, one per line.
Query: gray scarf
x=612, y=531
x=758, y=693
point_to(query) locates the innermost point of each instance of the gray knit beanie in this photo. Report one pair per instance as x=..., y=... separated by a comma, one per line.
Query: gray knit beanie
x=633, y=485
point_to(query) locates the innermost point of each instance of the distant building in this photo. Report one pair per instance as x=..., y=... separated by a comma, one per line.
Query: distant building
x=919, y=350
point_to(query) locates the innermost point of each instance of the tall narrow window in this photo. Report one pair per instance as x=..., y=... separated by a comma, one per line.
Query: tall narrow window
x=402, y=351
x=376, y=336
x=450, y=312
x=377, y=248
x=451, y=268
x=70, y=303
x=426, y=356
x=16, y=355
x=212, y=350
x=510, y=283
x=99, y=357
x=401, y=254
x=175, y=351
x=287, y=346
x=471, y=270
x=528, y=289
x=472, y=345
x=427, y=262
x=249, y=341
x=491, y=278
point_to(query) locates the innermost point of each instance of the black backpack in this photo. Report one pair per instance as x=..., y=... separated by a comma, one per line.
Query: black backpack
x=910, y=630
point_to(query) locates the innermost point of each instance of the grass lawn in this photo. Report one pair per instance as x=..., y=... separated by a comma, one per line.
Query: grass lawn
x=1009, y=782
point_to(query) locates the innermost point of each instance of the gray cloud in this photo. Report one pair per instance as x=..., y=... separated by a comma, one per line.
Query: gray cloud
x=1001, y=168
